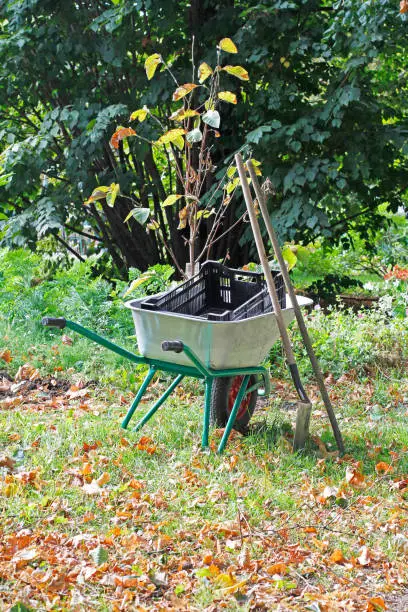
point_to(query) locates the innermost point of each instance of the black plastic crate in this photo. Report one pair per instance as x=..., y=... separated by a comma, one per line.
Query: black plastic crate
x=219, y=293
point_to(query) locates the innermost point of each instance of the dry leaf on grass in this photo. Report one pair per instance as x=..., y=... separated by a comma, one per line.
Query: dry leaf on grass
x=364, y=557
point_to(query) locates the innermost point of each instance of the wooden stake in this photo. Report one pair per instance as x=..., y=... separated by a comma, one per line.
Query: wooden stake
x=302, y=433
x=298, y=313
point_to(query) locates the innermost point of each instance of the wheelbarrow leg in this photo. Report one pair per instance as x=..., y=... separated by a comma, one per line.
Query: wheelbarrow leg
x=207, y=410
x=138, y=397
x=159, y=402
x=232, y=417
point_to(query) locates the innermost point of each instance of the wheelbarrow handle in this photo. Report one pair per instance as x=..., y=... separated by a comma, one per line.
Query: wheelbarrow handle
x=173, y=345
x=54, y=322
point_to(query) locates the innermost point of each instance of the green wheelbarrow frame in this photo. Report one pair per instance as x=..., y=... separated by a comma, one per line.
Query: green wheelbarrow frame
x=196, y=370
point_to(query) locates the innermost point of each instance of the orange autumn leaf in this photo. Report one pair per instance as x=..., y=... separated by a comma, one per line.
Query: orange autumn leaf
x=213, y=570
x=183, y=90
x=86, y=469
x=376, y=604
x=6, y=356
x=404, y=6
x=337, y=557
x=383, y=468
x=146, y=444
x=120, y=134
x=277, y=568
x=88, y=516
x=207, y=558
x=103, y=479
x=135, y=484
x=354, y=477
x=144, y=440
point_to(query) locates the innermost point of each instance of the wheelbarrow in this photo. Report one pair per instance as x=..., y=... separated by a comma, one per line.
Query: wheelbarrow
x=223, y=353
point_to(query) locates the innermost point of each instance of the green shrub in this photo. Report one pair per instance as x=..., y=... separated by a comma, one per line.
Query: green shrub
x=345, y=340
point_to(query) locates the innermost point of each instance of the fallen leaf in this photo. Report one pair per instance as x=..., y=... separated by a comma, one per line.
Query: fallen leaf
x=383, y=468
x=5, y=385
x=145, y=444
x=354, y=477
x=337, y=557
x=207, y=558
x=225, y=581
x=103, y=479
x=5, y=355
x=99, y=555
x=7, y=462
x=27, y=554
x=244, y=557
x=67, y=340
x=76, y=393
x=277, y=568
x=86, y=469
x=364, y=556
x=27, y=372
x=159, y=579
x=376, y=604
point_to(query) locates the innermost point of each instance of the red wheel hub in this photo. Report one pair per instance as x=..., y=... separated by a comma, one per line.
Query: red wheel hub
x=235, y=386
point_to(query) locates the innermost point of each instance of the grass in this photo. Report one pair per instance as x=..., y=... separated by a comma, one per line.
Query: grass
x=195, y=509
x=94, y=517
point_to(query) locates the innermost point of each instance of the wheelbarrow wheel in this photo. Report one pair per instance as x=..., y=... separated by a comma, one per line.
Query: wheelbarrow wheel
x=224, y=392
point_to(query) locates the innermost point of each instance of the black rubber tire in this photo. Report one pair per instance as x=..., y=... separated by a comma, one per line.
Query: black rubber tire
x=219, y=404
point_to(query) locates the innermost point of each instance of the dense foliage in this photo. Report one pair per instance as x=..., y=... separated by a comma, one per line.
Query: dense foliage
x=325, y=110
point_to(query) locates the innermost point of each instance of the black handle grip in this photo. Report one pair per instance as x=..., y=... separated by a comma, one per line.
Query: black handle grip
x=54, y=322
x=173, y=345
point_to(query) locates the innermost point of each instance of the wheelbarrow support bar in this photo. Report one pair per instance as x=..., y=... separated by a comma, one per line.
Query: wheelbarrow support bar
x=197, y=370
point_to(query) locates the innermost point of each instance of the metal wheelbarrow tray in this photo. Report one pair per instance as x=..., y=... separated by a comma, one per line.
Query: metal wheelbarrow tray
x=218, y=344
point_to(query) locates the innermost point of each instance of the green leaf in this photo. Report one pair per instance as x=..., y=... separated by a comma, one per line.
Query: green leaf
x=295, y=145
x=138, y=282
x=203, y=572
x=194, y=136
x=20, y=607
x=171, y=136
x=99, y=555
x=205, y=213
x=237, y=71
x=153, y=226
x=112, y=194
x=289, y=256
x=179, y=589
x=5, y=178
x=141, y=215
x=231, y=185
x=212, y=118
x=171, y=199
x=151, y=64
x=256, y=135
